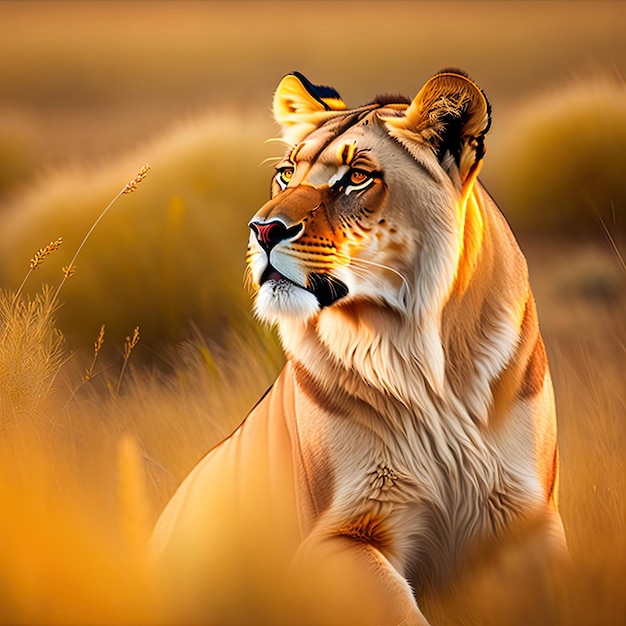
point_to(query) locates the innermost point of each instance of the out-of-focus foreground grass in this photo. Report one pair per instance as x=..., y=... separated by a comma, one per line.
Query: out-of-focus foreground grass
x=86, y=465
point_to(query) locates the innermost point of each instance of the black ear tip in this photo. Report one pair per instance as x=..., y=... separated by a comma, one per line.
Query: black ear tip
x=319, y=92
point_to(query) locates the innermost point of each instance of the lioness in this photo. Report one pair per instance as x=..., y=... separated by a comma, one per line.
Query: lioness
x=413, y=426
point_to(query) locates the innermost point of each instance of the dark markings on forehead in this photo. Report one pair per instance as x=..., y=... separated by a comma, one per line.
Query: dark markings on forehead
x=346, y=155
x=339, y=125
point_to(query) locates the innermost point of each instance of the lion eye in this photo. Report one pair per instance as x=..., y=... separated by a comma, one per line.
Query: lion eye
x=285, y=174
x=358, y=177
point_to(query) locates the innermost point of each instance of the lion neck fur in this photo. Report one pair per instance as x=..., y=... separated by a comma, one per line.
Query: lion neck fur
x=423, y=358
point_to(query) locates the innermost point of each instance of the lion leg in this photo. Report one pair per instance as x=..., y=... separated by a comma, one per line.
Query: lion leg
x=521, y=575
x=357, y=582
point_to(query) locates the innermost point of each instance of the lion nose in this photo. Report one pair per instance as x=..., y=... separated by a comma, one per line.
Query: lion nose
x=268, y=234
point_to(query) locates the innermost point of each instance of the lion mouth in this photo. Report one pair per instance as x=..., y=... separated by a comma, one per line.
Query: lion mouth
x=271, y=274
x=326, y=288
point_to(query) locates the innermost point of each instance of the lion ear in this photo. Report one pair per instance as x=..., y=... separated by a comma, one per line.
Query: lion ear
x=300, y=106
x=452, y=115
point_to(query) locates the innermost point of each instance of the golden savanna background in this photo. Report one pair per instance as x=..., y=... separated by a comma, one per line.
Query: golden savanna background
x=93, y=440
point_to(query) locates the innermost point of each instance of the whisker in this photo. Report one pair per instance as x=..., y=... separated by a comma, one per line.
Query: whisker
x=285, y=143
x=365, y=274
x=381, y=266
x=321, y=263
x=248, y=281
x=270, y=160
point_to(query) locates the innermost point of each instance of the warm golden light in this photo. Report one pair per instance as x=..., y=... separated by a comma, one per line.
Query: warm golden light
x=95, y=437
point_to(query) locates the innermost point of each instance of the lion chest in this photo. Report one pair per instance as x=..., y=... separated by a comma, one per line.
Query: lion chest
x=416, y=496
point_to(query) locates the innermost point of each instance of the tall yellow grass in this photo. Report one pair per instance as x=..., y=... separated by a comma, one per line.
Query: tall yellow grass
x=30, y=356
x=169, y=255
x=559, y=166
x=84, y=472
x=79, y=484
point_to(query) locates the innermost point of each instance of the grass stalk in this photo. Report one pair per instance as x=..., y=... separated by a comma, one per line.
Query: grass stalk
x=129, y=345
x=131, y=186
x=616, y=250
x=99, y=342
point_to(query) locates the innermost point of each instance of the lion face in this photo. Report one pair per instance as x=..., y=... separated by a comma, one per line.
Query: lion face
x=360, y=211
x=347, y=218
x=328, y=233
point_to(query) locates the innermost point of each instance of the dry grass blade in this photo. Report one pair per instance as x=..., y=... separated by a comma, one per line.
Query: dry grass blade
x=97, y=347
x=129, y=345
x=613, y=244
x=30, y=355
x=69, y=269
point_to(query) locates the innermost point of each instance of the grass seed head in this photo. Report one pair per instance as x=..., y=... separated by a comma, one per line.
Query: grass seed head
x=97, y=346
x=42, y=253
x=133, y=184
x=68, y=270
x=130, y=343
x=99, y=341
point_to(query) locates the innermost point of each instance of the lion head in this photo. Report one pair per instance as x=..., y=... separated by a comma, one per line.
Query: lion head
x=365, y=228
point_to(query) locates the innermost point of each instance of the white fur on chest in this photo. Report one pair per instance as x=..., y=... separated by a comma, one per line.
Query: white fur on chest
x=435, y=482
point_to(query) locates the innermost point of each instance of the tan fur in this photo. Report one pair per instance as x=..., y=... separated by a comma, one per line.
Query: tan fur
x=412, y=433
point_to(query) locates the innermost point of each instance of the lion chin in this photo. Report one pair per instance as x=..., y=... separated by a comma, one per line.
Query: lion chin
x=282, y=298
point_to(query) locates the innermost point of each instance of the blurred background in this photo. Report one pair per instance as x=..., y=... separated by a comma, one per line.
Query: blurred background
x=90, y=91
